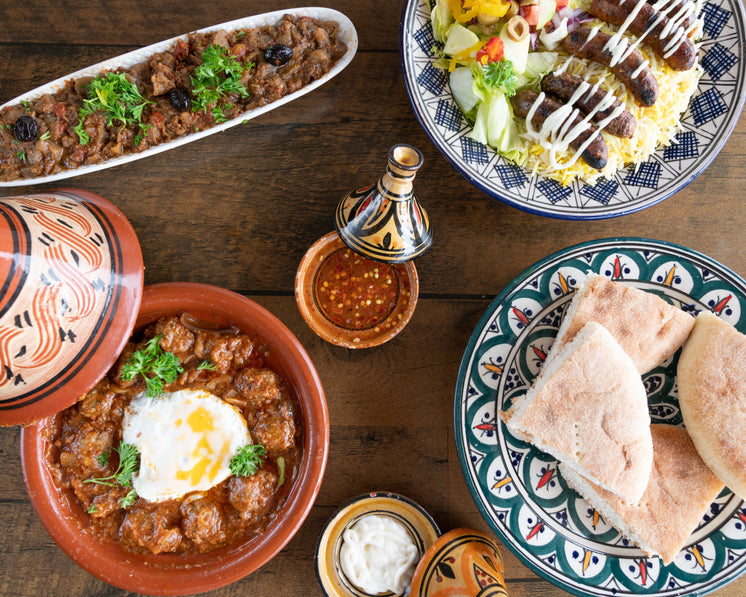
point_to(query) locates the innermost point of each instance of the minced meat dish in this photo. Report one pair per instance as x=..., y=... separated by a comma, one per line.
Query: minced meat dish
x=207, y=79
x=86, y=455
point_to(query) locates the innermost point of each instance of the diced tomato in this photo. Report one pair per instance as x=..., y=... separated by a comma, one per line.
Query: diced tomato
x=531, y=14
x=492, y=51
x=561, y=4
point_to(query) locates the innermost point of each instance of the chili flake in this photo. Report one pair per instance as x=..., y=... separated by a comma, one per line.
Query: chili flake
x=355, y=292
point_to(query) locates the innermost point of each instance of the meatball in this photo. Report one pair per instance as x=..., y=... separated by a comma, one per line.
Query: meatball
x=203, y=522
x=253, y=496
x=153, y=529
x=258, y=385
x=84, y=446
x=224, y=351
x=97, y=402
x=275, y=428
x=177, y=338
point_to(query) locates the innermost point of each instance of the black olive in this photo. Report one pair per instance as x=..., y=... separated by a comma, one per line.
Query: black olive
x=180, y=99
x=25, y=129
x=277, y=54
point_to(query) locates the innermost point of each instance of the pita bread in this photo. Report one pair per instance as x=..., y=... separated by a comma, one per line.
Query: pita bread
x=680, y=491
x=589, y=410
x=648, y=328
x=712, y=394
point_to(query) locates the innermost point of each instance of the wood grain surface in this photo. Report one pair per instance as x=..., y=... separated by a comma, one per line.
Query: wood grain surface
x=239, y=209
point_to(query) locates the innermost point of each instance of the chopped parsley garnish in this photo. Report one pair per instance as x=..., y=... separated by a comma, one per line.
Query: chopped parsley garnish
x=114, y=95
x=500, y=75
x=216, y=78
x=207, y=365
x=156, y=367
x=128, y=499
x=129, y=461
x=103, y=459
x=21, y=155
x=247, y=460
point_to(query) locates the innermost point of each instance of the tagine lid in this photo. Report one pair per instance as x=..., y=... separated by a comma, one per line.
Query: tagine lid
x=71, y=273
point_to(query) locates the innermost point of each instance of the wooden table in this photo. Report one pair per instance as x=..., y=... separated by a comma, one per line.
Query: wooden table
x=239, y=209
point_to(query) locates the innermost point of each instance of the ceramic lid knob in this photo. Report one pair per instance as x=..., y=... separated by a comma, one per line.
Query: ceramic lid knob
x=384, y=221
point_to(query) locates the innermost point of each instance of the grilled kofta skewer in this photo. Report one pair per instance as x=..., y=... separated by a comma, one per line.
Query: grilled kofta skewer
x=627, y=64
x=664, y=36
x=564, y=85
x=595, y=154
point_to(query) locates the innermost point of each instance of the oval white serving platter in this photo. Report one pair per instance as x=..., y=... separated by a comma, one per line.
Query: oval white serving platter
x=346, y=32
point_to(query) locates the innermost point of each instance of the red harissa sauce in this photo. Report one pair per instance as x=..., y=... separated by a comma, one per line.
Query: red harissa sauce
x=354, y=292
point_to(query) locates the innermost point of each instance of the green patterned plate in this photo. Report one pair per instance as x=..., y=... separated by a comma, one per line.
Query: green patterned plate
x=517, y=488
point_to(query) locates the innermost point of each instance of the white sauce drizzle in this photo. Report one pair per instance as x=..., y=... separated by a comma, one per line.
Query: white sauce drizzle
x=378, y=555
x=673, y=33
x=618, y=45
x=555, y=133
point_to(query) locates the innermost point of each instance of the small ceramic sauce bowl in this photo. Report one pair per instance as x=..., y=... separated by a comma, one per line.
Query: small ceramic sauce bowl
x=462, y=562
x=350, y=300
x=418, y=524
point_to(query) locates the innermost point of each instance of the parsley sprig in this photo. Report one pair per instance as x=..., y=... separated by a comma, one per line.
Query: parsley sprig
x=118, y=99
x=156, y=367
x=500, y=75
x=129, y=461
x=216, y=78
x=247, y=460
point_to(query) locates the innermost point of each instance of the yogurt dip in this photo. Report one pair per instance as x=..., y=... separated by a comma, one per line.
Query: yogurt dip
x=378, y=555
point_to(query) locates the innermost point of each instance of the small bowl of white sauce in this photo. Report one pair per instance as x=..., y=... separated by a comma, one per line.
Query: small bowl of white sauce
x=371, y=546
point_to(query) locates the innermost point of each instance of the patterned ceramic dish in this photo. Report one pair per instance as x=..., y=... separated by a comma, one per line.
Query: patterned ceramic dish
x=517, y=488
x=461, y=562
x=71, y=273
x=419, y=525
x=346, y=32
x=712, y=115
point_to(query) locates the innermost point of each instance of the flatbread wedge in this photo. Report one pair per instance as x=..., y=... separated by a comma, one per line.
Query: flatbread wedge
x=711, y=378
x=680, y=490
x=648, y=328
x=589, y=410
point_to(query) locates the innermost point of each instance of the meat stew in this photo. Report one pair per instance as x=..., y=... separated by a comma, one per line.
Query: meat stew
x=240, y=374
x=166, y=98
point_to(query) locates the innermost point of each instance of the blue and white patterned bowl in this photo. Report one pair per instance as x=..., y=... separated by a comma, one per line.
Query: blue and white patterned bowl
x=517, y=488
x=707, y=124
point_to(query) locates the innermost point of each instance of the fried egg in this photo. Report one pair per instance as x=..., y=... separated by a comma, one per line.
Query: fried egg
x=186, y=441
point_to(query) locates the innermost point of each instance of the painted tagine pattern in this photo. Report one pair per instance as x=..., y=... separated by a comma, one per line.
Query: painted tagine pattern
x=518, y=488
x=60, y=268
x=385, y=221
x=462, y=562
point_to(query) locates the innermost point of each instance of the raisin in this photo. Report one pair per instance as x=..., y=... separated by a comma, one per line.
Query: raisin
x=180, y=99
x=278, y=54
x=25, y=129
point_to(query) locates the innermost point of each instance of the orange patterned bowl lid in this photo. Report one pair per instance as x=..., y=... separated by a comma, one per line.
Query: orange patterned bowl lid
x=71, y=274
x=463, y=562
